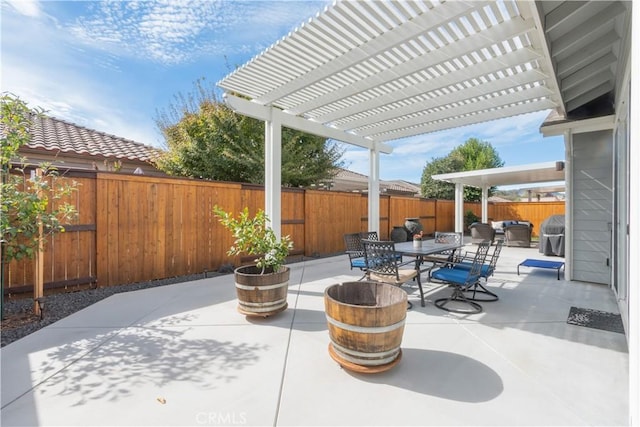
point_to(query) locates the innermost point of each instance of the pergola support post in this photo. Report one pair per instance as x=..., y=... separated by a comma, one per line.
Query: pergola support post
x=374, y=191
x=485, y=204
x=273, y=171
x=459, y=208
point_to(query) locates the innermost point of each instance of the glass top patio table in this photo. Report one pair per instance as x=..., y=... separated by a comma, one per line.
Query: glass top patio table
x=429, y=247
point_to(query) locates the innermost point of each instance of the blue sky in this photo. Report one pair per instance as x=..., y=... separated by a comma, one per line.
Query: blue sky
x=110, y=65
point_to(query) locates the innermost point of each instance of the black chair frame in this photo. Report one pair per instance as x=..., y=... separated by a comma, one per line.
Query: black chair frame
x=461, y=281
x=384, y=264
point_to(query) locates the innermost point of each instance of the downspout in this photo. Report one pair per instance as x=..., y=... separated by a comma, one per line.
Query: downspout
x=634, y=225
x=568, y=205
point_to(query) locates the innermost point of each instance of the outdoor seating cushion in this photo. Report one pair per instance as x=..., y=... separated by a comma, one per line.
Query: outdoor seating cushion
x=466, y=266
x=358, y=262
x=497, y=225
x=452, y=275
x=404, y=274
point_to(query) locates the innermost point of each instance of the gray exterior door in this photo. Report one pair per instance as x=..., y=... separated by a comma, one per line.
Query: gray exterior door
x=592, y=206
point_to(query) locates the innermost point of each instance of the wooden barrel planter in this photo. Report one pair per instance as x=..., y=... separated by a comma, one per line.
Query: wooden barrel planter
x=261, y=295
x=366, y=323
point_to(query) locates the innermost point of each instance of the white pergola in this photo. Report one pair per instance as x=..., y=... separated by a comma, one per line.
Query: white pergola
x=487, y=178
x=366, y=73
x=369, y=72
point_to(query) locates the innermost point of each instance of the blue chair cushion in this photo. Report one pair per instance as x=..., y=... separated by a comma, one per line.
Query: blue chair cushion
x=452, y=275
x=358, y=263
x=466, y=266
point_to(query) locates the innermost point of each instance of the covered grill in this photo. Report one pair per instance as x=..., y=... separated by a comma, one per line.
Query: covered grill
x=552, y=236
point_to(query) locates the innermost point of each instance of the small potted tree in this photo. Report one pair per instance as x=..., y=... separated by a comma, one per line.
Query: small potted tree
x=31, y=207
x=262, y=286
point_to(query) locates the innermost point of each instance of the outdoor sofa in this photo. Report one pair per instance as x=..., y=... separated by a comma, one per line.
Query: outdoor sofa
x=481, y=231
x=515, y=232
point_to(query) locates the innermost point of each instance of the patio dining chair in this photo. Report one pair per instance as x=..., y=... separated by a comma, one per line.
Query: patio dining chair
x=518, y=235
x=384, y=265
x=486, y=271
x=444, y=257
x=461, y=280
x=355, y=250
x=481, y=231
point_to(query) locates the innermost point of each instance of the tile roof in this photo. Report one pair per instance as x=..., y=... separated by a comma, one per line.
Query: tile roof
x=347, y=180
x=53, y=134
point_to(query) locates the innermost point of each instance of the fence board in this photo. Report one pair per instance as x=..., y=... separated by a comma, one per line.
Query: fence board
x=535, y=212
x=138, y=228
x=68, y=256
x=329, y=215
x=445, y=215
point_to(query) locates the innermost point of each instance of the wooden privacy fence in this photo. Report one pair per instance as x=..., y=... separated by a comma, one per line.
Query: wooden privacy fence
x=133, y=228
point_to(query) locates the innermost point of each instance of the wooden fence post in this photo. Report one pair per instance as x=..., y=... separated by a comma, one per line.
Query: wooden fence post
x=38, y=279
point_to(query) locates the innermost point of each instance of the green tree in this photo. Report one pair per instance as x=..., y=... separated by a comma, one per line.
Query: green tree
x=478, y=155
x=206, y=139
x=26, y=202
x=474, y=154
x=435, y=189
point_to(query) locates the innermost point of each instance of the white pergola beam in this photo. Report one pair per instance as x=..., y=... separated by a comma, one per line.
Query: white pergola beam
x=465, y=46
x=603, y=63
x=461, y=75
x=459, y=208
x=559, y=15
x=273, y=172
x=589, y=96
x=262, y=112
x=470, y=107
x=520, y=79
x=373, y=46
x=587, y=28
x=576, y=61
x=374, y=192
x=483, y=116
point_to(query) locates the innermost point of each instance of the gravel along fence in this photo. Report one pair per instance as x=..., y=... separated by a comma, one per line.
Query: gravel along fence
x=19, y=320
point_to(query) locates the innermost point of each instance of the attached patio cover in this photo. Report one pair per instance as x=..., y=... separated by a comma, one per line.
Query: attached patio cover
x=486, y=178
x=369, y=72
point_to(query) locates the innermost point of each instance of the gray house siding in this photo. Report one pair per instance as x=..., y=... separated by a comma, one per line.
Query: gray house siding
x=592, y=206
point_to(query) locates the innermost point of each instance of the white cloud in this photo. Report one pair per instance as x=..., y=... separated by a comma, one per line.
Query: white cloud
x=79, y=101
x=29, y=8
x=47, y=77
x=173, y=32
x=70, y=43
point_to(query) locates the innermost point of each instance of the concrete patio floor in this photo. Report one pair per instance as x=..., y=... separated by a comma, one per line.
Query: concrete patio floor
x=182, y=355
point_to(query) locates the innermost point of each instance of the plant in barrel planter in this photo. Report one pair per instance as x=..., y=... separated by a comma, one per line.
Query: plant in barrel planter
x=261, y=287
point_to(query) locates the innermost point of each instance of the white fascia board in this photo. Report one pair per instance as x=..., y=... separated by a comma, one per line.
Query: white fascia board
x=538, y=36
x=262, y=112
x=579, y=126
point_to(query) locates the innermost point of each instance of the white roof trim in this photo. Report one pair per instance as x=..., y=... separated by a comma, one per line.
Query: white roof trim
x=525, y=174
x=578, y=126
